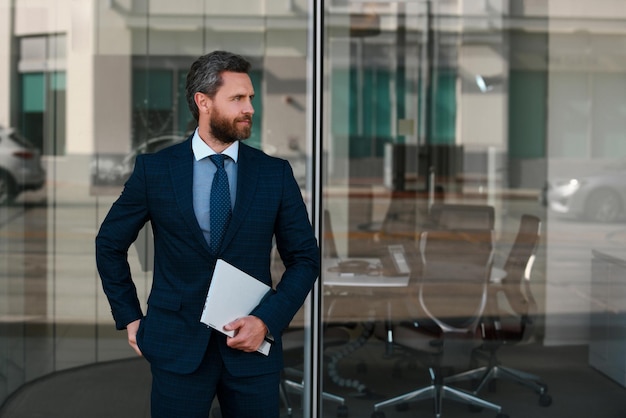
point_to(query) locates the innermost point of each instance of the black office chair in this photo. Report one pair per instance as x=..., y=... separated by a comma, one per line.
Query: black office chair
x=403, y=219
x=510, y=316
x=461, y=216
x=448, y=307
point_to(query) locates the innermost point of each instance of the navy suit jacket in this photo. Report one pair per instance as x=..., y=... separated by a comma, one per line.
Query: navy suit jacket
x=268, y=204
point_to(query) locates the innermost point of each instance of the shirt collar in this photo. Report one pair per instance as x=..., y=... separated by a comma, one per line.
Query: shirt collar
x=202, y=150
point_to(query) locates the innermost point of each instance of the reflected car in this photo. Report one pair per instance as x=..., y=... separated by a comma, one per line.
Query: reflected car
x=599, y=197
x=21, y=167
x=115, y=169
x=150, y=146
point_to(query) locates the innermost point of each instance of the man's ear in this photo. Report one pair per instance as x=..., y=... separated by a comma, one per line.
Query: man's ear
x=203, y=102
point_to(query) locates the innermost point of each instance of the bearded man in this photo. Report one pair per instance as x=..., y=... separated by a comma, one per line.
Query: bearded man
x=259, y=202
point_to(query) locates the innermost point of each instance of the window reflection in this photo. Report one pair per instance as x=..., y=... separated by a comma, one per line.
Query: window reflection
x=514, y=106
x=437, y=109
x=94, y=84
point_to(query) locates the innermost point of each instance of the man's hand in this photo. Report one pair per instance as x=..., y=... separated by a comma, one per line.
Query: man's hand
x=132, y=335
x=249, y=333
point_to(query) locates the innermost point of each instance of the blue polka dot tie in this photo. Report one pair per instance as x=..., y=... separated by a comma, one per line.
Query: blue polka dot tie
x=219, y=204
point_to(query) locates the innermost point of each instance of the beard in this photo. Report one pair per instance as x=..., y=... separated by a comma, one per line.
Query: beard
x=227, y=131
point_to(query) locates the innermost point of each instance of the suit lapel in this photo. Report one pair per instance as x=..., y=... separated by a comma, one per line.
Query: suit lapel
x=247, y=176
x=181, y=169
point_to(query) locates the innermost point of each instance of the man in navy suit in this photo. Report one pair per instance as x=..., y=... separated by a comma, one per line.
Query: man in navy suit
x=190, y=363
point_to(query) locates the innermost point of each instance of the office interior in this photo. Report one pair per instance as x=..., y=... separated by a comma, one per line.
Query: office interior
x=407, y=124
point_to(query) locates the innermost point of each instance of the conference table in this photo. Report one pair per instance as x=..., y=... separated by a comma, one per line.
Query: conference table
x=361, y=272
x=365, y=280
x=360, y=292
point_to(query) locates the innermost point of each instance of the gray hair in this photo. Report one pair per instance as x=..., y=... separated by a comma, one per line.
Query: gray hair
x=205, y=75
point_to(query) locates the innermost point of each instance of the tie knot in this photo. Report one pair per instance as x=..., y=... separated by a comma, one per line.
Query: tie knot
x=218, y=160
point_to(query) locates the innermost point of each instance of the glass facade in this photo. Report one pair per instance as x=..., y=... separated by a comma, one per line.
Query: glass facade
x=393, y=114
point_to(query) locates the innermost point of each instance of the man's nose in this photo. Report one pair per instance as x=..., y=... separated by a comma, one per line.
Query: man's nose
x=248, y=109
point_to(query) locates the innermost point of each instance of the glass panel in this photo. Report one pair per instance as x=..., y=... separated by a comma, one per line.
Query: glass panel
x=92, y=84
x=33, y=86
x=569, y=123
x=527, y=114
x=608, y=113
x=152, y=104
x=453, y=121
x=516, y=106
x=33, y=48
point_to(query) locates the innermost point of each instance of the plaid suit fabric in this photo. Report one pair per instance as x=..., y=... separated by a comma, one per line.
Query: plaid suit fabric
x=268, y=203
x=191, y=395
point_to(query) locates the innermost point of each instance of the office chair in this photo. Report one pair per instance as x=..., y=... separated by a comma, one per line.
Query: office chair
x=403, y=218
x=448, y=307
x=511, y=310
x=461, y=216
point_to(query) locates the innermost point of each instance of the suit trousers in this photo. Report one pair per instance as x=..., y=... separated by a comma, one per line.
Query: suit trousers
x=191, y=395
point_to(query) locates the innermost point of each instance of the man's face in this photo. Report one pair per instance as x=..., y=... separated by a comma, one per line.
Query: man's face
x=231, y=108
